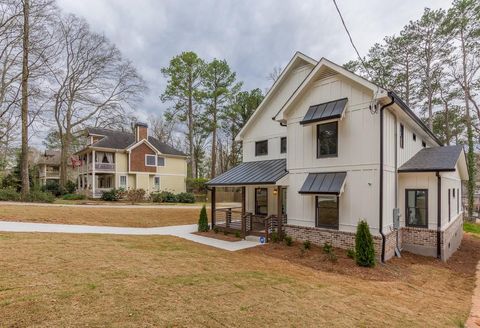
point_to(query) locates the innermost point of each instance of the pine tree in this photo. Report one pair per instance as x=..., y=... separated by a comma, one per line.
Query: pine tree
x=203, y=220
x=364, y=248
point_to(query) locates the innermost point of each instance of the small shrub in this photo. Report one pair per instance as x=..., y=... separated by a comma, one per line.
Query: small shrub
x=70, y=187
x=332, y=257
x=288, y=240
x=274, y=237
x=9, y=194
x=225, y=233
x=307, y=244
x=351, y=253
x=111, y=195
x=364, y=249
x=135, y=195
x=185, y=197
x=156, y=197
x=73, y=197
x=237, y=234
x=203, y=220
x=302, y=251
x=327, y=248
x=216, y=230
x=38, y=196
x=54, y=188
x=163, y=197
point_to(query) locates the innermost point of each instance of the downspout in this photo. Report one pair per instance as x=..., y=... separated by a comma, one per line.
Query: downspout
x=380, y=229
x=439, y=214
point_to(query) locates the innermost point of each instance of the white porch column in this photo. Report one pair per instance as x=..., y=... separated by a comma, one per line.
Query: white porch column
x=93, y=173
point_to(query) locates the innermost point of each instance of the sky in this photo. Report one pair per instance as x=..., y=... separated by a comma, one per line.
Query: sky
x=252, y=36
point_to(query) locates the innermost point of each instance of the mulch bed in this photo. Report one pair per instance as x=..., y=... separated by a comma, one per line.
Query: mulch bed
x=463, y=261
x=219, y=235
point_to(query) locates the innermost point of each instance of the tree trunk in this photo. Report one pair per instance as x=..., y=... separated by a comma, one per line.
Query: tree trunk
x=214, y=140
x=64, y=153
x=24, y=157
x=193, y=166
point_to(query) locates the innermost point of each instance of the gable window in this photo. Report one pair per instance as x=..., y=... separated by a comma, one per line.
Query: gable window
x=123, y=181
x=150, y=160
x=283, y=145
x=160, y=161
x=156, y=183
x=402, y=135
x=261, y=148
x=261, y=201
x=327, y=140
x=416, y=201
x=424, y=144
x=414, y=136
x=326, y=211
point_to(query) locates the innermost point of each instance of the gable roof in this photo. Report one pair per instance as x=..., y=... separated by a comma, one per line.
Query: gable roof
x=297, y=59
x=50, y=157
x=434, y=159
x=122, y=140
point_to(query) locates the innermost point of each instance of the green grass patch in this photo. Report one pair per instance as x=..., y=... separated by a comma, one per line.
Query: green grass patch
x=471, y=227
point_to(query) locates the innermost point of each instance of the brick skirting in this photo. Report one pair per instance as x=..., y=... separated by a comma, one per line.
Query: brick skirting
x=415, y=240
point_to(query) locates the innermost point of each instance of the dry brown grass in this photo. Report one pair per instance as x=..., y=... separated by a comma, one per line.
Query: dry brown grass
x=121, y=217
x=99, y=280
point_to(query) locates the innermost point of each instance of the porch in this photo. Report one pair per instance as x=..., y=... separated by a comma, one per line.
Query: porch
x=95, y=184
x=262, y=209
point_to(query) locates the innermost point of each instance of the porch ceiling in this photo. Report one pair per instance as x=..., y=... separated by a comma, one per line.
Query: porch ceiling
x=252, y=173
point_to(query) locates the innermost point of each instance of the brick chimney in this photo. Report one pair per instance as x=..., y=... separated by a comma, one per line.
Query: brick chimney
x=141, y=131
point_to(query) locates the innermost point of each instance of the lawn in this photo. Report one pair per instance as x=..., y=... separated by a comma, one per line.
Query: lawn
x=471, y=227
x=103, y=216
x=103, y=280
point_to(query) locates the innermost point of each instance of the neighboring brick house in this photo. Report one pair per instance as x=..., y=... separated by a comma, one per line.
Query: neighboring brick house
x=117, y=159
x=326, y=148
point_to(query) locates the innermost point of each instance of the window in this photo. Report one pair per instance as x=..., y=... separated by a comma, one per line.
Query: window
x=156, y=183
x=123, y=181
x=416, y=207
x=283, y=145
x=326, y=212
x=261, y=148
x=424, y=144
x=160, y=161
x=449, y=207
x=150, y=160
x=458, y=201
x=402, y=135
x=284, y=200
x=414, y=136
x=327, y=140
x=261, y=201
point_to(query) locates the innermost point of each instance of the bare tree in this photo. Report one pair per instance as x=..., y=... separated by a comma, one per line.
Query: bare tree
x=24, y=110
x=92, y=83
x=274, y=74
x=163, y=130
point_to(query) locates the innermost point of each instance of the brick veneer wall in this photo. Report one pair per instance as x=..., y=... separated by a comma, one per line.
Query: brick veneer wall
x=419, y=241
x=137, y=159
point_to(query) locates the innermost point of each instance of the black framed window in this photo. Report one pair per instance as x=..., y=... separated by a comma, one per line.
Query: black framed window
x=458, y=200
x=283, y=145
x=414, y=136
x=261, y=148
x=261, y=201
x=416, y=201
x=326, y=211
x=424, y=144
x=402, y=135
x=449, y=207
x=327, y=140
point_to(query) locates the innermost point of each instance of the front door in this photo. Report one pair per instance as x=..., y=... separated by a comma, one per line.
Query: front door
x=261, y=201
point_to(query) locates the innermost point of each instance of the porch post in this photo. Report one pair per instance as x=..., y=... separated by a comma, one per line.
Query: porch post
x=93, y=174
x=279, y=212
x=243, y=200
x=213, y=207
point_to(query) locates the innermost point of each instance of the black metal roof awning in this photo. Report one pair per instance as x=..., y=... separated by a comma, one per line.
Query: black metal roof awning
x=252, y=173
x=330, y=183
x=326, y=111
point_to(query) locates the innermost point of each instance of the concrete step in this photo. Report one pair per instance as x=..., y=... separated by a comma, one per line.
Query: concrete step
x=254, y=238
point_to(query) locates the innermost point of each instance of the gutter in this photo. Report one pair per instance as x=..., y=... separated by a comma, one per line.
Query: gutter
x=439, y=214
x=380, y=229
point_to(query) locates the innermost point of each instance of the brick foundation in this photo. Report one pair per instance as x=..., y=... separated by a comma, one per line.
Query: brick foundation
x=415, y=240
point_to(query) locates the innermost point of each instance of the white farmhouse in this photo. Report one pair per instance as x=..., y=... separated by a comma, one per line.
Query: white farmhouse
x=327, y=148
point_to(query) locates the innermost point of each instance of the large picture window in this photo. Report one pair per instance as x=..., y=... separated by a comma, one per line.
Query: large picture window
x=261, y=148
x=327, y=140
x=326, y=212
x=416, y=207
x=261, y=201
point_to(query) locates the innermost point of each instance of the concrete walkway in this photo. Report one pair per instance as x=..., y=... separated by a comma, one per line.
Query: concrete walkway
x=474, y=318
x=182, y=231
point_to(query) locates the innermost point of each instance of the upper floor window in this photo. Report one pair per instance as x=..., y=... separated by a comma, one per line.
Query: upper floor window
x=283, y=145
x=160, y=161
x=424, y=144
x=414, y=136
x=327, y=140
x=402, y=135
x=150, y=160
x=261, y=148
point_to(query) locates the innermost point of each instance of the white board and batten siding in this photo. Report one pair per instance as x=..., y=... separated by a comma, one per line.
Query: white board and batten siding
x=358, y=155
x=264, y=127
